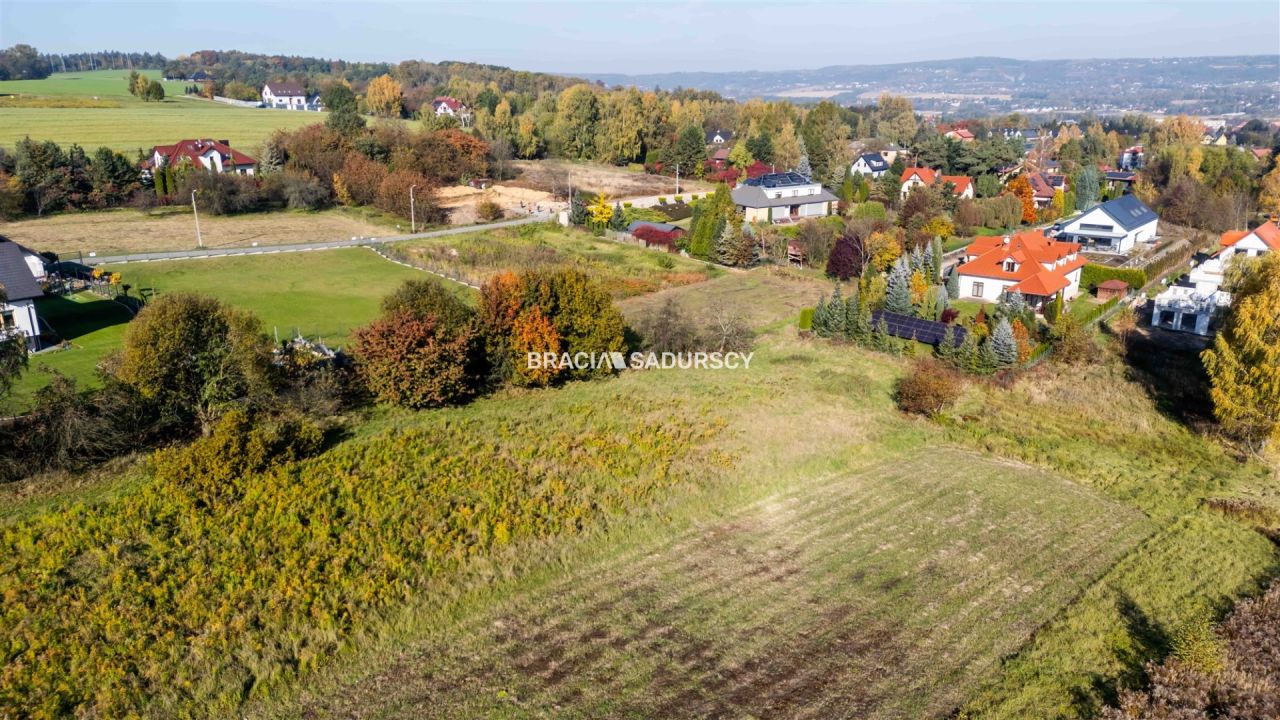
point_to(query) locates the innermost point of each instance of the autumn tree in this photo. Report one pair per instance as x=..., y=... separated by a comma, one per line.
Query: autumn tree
x=1269, y=192
x=415, y=361
x=1020, y=188
x=1244, y=362
x=826, y=137
x=895, y=119
x=393, y=196
x=847, y=257
x=786, y=148
x=359, y=180
x=384, y=97
x=195, y=357
x=344, y=111
x=576, y=118
x=533, y=335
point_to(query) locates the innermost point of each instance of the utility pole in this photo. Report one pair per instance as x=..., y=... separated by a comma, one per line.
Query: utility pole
x=194, y=211
x=677, y=178
x=413, y=218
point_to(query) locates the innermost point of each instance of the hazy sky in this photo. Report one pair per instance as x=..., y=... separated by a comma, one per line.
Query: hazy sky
x=649, y=35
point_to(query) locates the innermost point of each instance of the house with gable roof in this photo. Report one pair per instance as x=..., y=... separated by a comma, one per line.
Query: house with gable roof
x=1114, y=226
x=20, y=280
x=287, y=95
x=914, y=177
x=871, y=165
x=782, y=197
x=212, y=155
x=1026, y=262
x=451, y=106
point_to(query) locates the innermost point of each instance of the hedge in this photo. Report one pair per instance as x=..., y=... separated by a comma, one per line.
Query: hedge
x=806, y=319
x=1097, y=311
x=1092, y=275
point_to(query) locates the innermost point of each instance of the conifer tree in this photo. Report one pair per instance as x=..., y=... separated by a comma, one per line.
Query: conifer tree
x=577, y=211
x=618, y=220
x=820, y=318
x=859, y=325
x=966, y=355
x=986, y=360
x=898, y=294
x=880, y=339
x=935, y=256
x=946, y=349
x=1003, y=344
x=953, y=285
x=836, y=313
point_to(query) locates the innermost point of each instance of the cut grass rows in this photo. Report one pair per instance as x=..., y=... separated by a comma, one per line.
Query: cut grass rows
x=768, y=603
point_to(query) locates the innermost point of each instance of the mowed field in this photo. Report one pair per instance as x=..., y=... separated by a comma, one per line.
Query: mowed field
x=131, y=124
x=321, y=294
x=125, y=231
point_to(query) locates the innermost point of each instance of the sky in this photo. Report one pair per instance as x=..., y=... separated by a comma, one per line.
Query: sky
x=650, y=36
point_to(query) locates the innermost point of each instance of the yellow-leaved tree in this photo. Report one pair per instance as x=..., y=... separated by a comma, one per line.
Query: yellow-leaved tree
x=384, y=97
x=1244, y=362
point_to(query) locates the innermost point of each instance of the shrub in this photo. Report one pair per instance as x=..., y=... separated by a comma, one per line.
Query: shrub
x=666, y=262
x=393, y=197
x=928, y=388
x=297, y=190
x=668, y=329
x=220, y=193
x=428, y=298
x=1072, y=343
x=1092, y=275
x=489, y=210
x=806, y=319
x=662, y=200
x=417, y=361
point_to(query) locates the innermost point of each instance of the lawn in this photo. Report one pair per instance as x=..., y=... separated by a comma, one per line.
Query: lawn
x=321, y=294
x=92, y=324
x=132, y=123
x=123, y=231
x=625, y=270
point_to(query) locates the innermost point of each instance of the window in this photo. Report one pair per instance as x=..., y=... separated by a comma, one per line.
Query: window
x=6, y=320
x=1010, y=266
x=977, y=290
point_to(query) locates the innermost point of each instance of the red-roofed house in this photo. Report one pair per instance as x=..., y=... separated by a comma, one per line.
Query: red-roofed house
x=1262, y=239
x=961, y=134
x=1027, y=263
x=213, y=155
x=445, y=105
x=914, y=177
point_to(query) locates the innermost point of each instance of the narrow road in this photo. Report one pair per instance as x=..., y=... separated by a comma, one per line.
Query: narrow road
x=302, y=247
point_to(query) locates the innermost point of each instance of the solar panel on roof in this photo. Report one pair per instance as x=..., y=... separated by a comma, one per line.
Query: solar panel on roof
x=907, y=327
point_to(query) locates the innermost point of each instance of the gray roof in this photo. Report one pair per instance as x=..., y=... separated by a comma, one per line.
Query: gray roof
x=724, y=134
x=753, y=196
x=874, y=160
x=1128, y=211
x=15, y=276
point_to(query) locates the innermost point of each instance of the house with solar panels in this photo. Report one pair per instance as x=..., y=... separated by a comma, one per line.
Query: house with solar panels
x=782, y=198
x=1027, y=262
x=1114, y=226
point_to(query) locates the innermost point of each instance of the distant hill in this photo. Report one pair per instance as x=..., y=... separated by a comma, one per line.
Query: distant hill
x=1198, y=85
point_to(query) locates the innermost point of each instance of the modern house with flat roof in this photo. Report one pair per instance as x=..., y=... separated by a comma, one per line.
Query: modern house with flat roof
x=782, y=197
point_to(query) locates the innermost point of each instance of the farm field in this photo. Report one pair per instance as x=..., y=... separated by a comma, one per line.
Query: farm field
x=132, y=124
x=624, y=270
x=124, y=231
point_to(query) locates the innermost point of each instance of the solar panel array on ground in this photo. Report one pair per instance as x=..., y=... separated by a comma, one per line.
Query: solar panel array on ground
x=908, y=327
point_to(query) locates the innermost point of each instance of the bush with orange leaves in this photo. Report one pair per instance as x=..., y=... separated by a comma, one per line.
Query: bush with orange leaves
x=417, y=362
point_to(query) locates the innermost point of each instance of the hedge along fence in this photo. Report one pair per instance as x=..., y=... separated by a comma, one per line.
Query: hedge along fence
x=1092, y=275
x=1098, y=311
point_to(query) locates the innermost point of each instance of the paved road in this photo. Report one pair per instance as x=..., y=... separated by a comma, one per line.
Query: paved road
x=301, y=247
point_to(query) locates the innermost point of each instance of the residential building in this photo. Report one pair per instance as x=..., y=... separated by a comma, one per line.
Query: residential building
x=21, y=288
x=871, y=165
x=719, y=159
x=1114, y=226
x=1132, y=158
x=289, y=96
x=450, y=106
x=914, y=177
x=961, y=134
x=1028, y=263
x=212, y=155
x=1195, y=302
x=719, y=137
x=782, y=197
x=1045, y=185
x=1118, y=179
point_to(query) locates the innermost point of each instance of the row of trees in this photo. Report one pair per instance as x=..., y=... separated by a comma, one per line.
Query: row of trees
x=41, y=177
x=144, y=88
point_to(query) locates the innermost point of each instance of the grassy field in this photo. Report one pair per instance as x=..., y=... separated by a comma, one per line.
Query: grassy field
x=123, y=231
x=791, y=546
x=624, y=270
x=132, y=123
x=322, y=294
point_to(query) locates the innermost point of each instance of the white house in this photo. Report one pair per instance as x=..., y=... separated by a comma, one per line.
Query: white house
x=1027, y=263
x=1195, y=302
x=212, y=155
x=914, y=177
x=1114, y=226
x=289, y=96
x=21, y=288
x=782, y=197
x=870, y=165
x=445, y=105
x=719, y=137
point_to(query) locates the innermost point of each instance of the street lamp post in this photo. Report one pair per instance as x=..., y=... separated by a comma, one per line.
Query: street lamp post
x=194, y=211
x=413, y=219
x=677, y=178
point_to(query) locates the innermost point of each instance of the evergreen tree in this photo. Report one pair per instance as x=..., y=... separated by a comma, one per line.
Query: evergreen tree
x=836, y=314
x=953, y=285
x=803, y=167
x=917, y=260
x=1003, y=344
x=966, y=354
x=858, y=320
x=618, y=220
x=577, y=211
x=820, y=318
x=1053, y=310
x=986, y=360
x=935, y=254
x=947, y=348
x=898, y=295
x=880, y=338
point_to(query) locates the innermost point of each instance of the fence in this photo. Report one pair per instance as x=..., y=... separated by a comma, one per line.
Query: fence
x=237, y=103
x=448, y=272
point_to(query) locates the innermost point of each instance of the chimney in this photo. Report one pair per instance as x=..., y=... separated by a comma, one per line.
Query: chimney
x=1006, y=239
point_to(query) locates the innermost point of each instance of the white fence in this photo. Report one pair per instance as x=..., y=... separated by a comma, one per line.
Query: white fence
x=237, y=103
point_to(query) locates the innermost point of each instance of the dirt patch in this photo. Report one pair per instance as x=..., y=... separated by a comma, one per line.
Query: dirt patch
x=462, y=201
x=555, y=176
